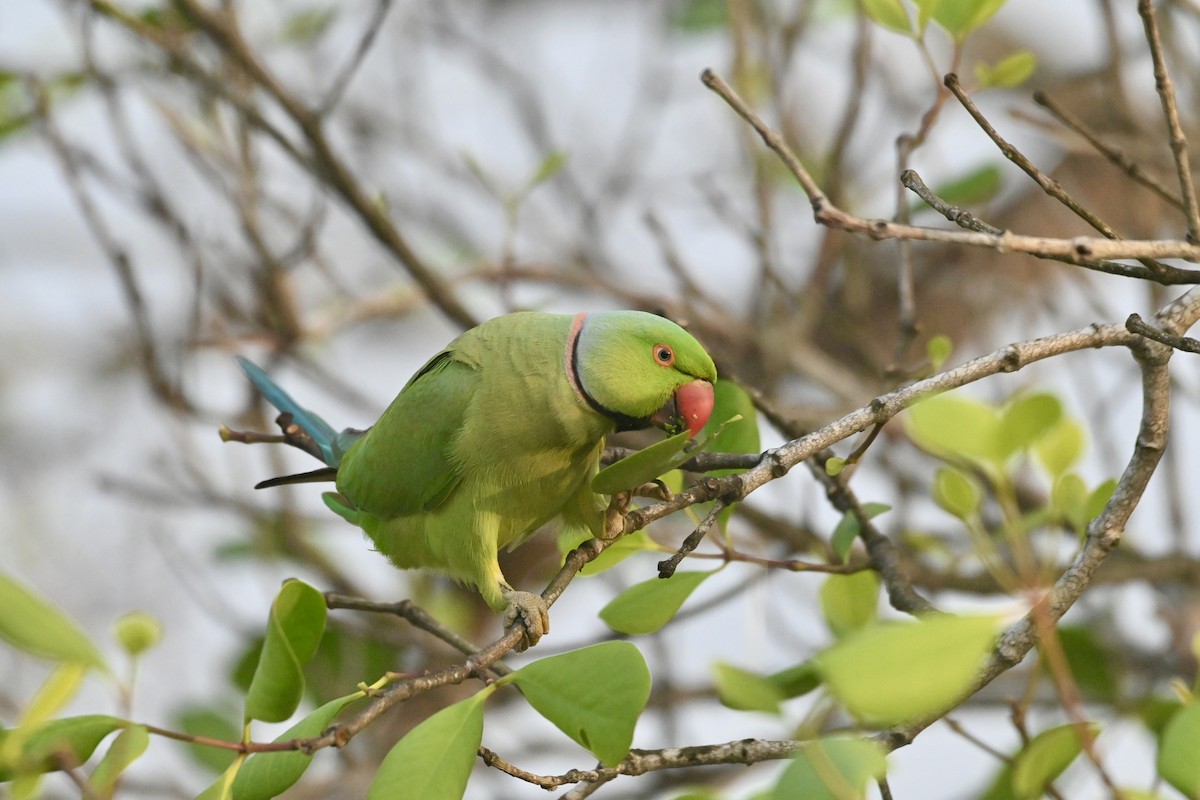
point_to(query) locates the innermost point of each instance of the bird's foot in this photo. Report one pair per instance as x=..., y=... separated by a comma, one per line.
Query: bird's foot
x=614, y=515
x=533, y=613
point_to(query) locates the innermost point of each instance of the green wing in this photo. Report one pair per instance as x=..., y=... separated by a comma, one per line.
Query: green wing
x=403, y=464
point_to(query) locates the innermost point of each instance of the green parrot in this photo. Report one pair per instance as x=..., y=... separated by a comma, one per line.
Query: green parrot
x=500, y=433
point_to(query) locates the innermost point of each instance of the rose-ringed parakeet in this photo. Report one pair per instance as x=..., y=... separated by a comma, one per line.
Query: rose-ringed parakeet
x=501, y=432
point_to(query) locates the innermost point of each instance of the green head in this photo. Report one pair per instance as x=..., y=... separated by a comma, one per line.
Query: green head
x=640, y=370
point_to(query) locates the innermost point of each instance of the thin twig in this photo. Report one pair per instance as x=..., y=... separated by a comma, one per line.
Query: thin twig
x=640, y=762
x=1135, y=324
x=415, y=616
x=1047, y=184
x=667, y=567
x=969, y=221
x=1113, y=154
x=906, y=293
x=370, y=31
x=1166, y=94
x=321, y=160
x=118, y=256
x=1082, y=251
x=959, y=216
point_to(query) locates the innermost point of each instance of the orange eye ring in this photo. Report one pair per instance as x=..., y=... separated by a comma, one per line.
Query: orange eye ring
x=664, y=355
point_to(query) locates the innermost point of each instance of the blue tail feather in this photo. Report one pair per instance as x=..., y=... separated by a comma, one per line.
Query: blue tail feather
x=322, y=432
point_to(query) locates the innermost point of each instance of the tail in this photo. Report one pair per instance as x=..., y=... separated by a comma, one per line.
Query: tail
x=329, y=442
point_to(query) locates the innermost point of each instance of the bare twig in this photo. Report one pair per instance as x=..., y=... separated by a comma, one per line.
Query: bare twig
x=1009, y=151
x=1113, y=154
x=1166, y=93
x=966, y=219
x=370, y=31
x=1082, y=251
x=116, y=253
x=414, y=615
x=640, y=762
x=667, y=567
x=1135, y=324
x=321, y=159
x=959, y=216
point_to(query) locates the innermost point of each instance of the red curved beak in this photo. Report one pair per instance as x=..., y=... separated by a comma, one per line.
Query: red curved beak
x=690, y=408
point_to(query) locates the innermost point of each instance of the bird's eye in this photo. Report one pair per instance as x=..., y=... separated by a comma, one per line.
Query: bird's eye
x=664, y=355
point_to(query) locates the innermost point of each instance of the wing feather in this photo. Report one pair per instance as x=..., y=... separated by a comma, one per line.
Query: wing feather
x=403, y=465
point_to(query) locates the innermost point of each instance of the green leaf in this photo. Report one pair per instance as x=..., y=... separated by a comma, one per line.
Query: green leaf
x=891, y=672
x=594, y=695
x=657, y=459
x=1156, y=712
x=733, y=425
x=203, y=721
x=1001, y=787
x=1098, y=499
x=1177, y=762
x=551, y=165
x=644, y=465
x=433, y=761
x=1090, y=663
x=308, y=25
x=1060, y=447
x=137, y=632
x=647, y=606
x=168, y=18
x=844, y=535
x=977, y=186
x=698, y=16
x=848, y=529
x=957, y=492
x=960, y=17
x=890, y=14
x=78, y=737
x=267, y=775
x=831, y=769
x=924, y=13
x=350, y=651
x=1009, y=73
x=850, y=602
x=938, y=350
x=1068, y=497
x=743, y=690
x=956, y=425
x=30, y=623
x=125, y=749
x=59, y=688
x=222, y=787
x=749, y=691
x=834, y=466
x=1045, y=758
x=293, y=632
x=798, y=680
x=1026, y=419
x=732, y=428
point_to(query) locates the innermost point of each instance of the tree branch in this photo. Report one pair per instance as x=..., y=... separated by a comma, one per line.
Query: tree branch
x=1081, y=250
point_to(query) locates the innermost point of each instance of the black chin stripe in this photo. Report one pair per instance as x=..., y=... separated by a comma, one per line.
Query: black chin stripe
x=624, y=422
